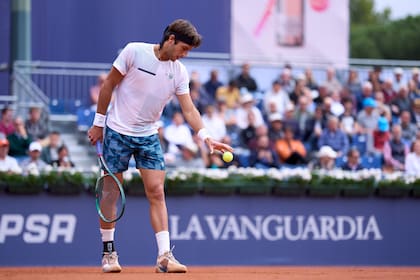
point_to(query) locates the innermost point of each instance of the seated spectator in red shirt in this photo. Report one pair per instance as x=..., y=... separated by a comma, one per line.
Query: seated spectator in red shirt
x=6, y=122
x=380, y=136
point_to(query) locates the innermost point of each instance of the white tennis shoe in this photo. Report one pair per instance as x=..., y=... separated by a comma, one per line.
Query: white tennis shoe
x=110, y=262
x=167, y=263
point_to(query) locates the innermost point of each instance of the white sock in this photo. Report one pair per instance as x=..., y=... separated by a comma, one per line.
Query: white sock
x=107, y=234
x=163, y=243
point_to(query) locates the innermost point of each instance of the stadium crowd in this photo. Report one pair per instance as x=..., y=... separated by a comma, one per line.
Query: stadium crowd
x=349, y=124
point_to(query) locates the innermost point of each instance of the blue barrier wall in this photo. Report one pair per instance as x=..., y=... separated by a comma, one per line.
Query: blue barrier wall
x=235, y=230
x=93, y=31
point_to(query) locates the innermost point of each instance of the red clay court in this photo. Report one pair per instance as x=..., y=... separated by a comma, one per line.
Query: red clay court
x=216, y=273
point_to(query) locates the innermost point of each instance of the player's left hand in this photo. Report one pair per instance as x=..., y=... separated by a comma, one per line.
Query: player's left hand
x=216, y=145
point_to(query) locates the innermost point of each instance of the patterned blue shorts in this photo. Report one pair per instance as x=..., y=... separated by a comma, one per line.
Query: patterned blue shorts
x=119, y=148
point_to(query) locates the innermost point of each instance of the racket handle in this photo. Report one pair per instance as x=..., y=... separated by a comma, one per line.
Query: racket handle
x=99, y=148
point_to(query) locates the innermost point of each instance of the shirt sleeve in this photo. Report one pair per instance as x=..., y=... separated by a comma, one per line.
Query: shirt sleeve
x=182, y=82
x=125, y=59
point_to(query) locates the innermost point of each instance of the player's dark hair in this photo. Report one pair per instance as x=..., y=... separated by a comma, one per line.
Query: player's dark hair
x=184, y=31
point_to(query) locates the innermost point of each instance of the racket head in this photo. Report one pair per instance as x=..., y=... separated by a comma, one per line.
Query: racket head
x=109, y=193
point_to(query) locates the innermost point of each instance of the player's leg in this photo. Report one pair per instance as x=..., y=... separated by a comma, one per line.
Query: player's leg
x=109, y=254
x=151, y=165
x=154, y=187
x=117, y=155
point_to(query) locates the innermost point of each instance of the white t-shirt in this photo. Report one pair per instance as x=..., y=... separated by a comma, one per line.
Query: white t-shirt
x=146, y=88
x=9, y=164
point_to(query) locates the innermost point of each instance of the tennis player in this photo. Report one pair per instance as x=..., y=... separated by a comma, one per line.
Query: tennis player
x=145, y=77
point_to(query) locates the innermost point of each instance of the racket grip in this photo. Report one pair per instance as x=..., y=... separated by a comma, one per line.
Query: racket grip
x=99, y=148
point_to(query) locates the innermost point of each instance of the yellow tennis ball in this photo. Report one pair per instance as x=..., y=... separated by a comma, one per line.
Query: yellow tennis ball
x=227, y=156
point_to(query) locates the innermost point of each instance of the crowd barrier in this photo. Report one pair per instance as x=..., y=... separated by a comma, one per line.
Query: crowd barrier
x=59, y=230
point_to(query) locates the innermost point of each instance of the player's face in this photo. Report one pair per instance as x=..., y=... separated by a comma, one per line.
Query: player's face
x=178, y=50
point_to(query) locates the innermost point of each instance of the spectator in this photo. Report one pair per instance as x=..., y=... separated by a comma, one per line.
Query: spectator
x=353, y=84
x=63, y=160
x=401, y=102
x=199, y=96
x=243, y=113
x=398, y=79
x=276, y=99
x=413, y=90
x=290, y=150
x=95, y=89
x=353, y=160
x=395, y=150
x=380, y=136
x=299, y=89
x=368, y=117
x=348, y=123
x=275, y=130
x=229, y=94
x=259, y=131
x=229, y=117
x=314, y=128
x=382, y=108
x=415, y=113
x=302, y=115
x=246, y=80
x=8, y=164
x=19, y=140
x=334, y=137
x=375, y=78
x=388, y=91
x=213, y=84
x=310, y=80
x=325, y=159
x=289, y=119
x=286, y=81
x=214, y=123
x=409, y=129
x=188, y=157
x=177, y=133
x=332, y=83
x=367, y=92
x=412, y=160
x=50, y=152
x=6, y=123
x=36, y=127
x=415, y=76
x=322, y=94
x=263, y=156
x=34, y=164
x=337, y=108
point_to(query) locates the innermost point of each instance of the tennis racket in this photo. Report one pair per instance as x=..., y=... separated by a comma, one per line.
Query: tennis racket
x=110, y=197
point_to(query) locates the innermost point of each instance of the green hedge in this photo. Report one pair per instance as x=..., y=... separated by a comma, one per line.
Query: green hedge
x=75, y=183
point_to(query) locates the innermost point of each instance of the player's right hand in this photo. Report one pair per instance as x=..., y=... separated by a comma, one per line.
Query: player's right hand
x=95, y=133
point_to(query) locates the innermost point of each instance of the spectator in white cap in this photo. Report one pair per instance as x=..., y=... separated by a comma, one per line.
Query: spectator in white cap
x=398, y=79
x=34, y=165
x=325, y=159
x=275, y=126
x=246, y=109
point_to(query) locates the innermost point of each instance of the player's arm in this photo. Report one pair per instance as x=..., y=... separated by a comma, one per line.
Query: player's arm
x=114, y=77
x=193, y=117
x=112, y=80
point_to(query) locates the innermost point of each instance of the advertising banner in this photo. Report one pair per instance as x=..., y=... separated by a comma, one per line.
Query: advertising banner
x=300, y=32
x=207, y=230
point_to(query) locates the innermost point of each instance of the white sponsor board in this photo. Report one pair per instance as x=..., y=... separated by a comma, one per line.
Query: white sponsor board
x=302, y=32
x=275, y=228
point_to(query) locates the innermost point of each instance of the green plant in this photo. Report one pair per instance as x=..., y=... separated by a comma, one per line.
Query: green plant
x=393, y=188
x=18, y=184
x=65, y=182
